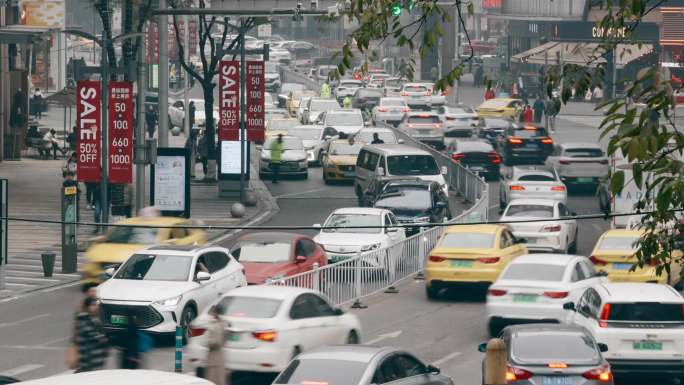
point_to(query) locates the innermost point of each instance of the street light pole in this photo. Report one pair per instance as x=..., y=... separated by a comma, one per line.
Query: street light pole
x=104, y=184
x=243, y=105
x=163, y=44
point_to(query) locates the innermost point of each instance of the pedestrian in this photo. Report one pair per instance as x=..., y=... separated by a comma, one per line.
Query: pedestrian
x=376, y=139
x=325, y=90
x=90, y=338
x=71, y=356
x=128, y=200
x=50, y=142
x=37, y=103
x=552, y=109
x=489, y=94
x=130, y=343
x=203, y=152
x=18, y=114
x=71, y=139
x=151, y=120
x=347, y=102
x=216, y=339
x=276, y=157
x=478, y=76
x=538, y=108
x=192, y=109
x=528, y=115
x=70, y=165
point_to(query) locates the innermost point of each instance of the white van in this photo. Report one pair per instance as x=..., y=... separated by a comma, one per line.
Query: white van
x=121, y=377
x=381, y=160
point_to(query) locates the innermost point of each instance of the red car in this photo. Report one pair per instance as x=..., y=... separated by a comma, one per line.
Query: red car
x=276, y=255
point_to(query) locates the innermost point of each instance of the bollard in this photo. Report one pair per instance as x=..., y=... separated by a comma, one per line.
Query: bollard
x=495, y=362
x=316, y=284
x=391, y=270
x=357, y=285
x=48, y=261
x=178, y=368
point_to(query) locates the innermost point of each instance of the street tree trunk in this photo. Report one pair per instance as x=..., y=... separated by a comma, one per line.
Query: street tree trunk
x=210, y=127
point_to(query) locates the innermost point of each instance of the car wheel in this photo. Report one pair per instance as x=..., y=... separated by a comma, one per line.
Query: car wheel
x=325, y=178
x=353, y=338
x=432, y=292
x=186, y=318
x=493, y=328
x=296, y=351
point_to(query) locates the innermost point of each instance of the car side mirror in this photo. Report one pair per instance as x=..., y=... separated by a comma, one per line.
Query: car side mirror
x=569, y=306
x=433, y=369
x=338, y=311
x=110, y=271
x=602, y=347
x=482, y=348
x=444, y=170
x=380, y=171
x=203, y=276
x=300, y=259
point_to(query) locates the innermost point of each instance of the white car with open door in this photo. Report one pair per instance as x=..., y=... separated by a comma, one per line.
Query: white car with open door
x=543, y=224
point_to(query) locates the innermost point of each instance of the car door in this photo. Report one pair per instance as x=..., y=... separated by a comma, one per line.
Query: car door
x=569, y=225
x=510, y=249
x=309, y=328
x=224, y=271
x=586, y=310
x=206, y=291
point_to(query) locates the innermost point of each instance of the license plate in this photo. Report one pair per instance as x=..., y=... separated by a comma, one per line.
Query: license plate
x=622, y=266
x=349, y=174
x=476, y=168
x=585, y=180
x=461, y=263
x=531, y=145
x=557, y=380
x=524, y=298
x=233, y=337
x=337, y=258
x=118, y=319
x=647, y=345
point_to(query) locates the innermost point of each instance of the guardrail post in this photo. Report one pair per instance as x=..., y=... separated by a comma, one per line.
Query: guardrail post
x=422, y=242
x=178, y=367
x=495, y=362
x=357, y=284
x=391, y=271
x=316, y=284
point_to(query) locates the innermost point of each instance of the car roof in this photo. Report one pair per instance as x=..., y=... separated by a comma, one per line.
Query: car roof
x=269, y=236
x=396, y=149
x=375, y=129
x=639, y=292
x=164, y=221
x=545, y=328
x=536, y=201
x=474, y=228
x=579, y=145
x=359, y=353
x=422, y=113
x=120, y=376
x=359, y=210
x=545, y=259
x=268, y=291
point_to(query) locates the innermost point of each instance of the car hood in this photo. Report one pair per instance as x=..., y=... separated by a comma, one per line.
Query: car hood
x=112, y=252
x=258, y=273
x=311, y=143
x=271, y=75
x=359, y=239
x=144, y=291
x=343, y=160
x=406, y=210
x=288, y=155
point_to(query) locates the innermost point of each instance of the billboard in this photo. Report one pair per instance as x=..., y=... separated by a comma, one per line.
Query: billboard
x=88, y=115
x=120, y=132
x=229, y=100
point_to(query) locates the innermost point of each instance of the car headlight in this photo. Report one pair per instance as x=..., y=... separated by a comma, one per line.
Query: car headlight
x=370, y=247
x=170, y=301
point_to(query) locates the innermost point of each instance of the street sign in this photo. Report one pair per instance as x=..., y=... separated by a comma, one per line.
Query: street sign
x=229, y=100
x=88, y=115
x=120, y=132
x=254, y=88
x=586, y=31
x=170, y=179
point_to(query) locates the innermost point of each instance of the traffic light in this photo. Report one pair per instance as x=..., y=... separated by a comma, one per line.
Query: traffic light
x=396, y=8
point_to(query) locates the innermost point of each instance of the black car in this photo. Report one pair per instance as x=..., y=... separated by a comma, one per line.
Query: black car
x=525, y=143
x=367, y=98
x=491, y=128
x=476, y=155
x=377, y=186
x=418, y=202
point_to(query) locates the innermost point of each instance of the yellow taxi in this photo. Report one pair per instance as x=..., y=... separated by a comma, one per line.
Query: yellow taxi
x=470, y=254
x=615, y=254
x=119, y=243
x=338, y=159
x=500, y=107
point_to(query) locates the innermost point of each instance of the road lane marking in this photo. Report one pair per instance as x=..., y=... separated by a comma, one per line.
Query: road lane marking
x=21, y=370
x=446, y=358
x=298, y=193
x=55, y=341
x=33, y=347
x=250, y=223
x=382, y=337
x=39, y=316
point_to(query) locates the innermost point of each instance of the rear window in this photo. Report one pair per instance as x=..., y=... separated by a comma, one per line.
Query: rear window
x=249, y=307
x=468, y=240
x=542, y=348
x=618, y=243
x=405, y=165
x=583, y=153
x=529, y=211
x=322, y=372
x=537, y=178
x=415, y=89
x=428, y=119
x=534, y=272
x=531, y=133
x=369, y=94
x=646, y=311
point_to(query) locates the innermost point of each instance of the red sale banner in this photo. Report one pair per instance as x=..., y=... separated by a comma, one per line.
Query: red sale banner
x=256, y=113
x=120, y=132
x=229, y=100
x=88, y=115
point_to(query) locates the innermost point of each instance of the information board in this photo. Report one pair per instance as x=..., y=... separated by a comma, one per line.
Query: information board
x=120, y=132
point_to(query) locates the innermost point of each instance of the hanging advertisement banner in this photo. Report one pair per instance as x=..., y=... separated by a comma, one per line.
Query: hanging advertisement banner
x=120, y=132
x=256, y=113
x=229, y=100
x=88, y=115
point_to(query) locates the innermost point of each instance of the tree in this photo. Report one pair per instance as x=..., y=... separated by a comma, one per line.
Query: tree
x=640, y=124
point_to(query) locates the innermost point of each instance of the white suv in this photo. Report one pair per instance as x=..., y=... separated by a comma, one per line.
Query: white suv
x=166, y=286
x=642, y=324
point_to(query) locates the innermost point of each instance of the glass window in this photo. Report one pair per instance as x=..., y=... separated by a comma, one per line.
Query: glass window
x=529, y=211
x=301, y=308
x=577, y=274
x=406, y=199
x=468, y=240
x=409, y=366
x=371, y=160
x=542, y=348
x=362, y=159
x=322, y=371
x=415, y=88
x=618, y=243
x=321, y=307
x=262, y=251
x=412, y=165
x=583, y=153
x=308, y=246
x=534, y=272
x=506, y=239
x=588, y=269
x=647, y=312
x=250, y=307
x=133, y=235
x=344, y=119
x=343, y=148
x=216, y=261
x=353, y=220
x=387, y=372
x=537, y=178
x=150, y=267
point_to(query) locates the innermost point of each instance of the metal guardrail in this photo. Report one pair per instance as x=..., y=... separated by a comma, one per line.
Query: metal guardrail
x=290, y=76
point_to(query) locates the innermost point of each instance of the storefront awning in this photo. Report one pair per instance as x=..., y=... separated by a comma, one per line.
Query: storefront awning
x=583, y=54
x=22, y=34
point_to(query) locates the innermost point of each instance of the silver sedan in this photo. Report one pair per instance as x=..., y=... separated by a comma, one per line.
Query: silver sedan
x=390, y=110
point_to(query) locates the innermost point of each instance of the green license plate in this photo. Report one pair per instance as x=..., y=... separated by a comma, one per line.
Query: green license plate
x=647, y=345
x=233, y=337
x=585, y=180
x=524, y=298
x=462, y=263
x=118, y=319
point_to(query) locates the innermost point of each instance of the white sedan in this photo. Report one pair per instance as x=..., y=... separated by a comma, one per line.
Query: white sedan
x=528, y=182
x=269, y=325
x=534, y=287
x=390, y=110
x=579, y=163
x=550, y=231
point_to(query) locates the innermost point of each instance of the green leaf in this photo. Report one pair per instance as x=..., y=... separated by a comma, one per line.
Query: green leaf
x=636, y=173
x=617, y=181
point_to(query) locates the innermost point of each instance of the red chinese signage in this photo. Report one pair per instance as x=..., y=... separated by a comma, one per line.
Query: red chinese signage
x=88, y=115
x=229, y=100
x=491, y=4
x=120, y=132
x=256, y=113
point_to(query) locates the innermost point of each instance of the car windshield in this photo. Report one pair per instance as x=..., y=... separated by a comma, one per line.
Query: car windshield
x=537, y=178
x=367, y=136
x=150, y=267
x=349, y=84
x=424, y=119
x=288, y=143
x=646, y=311
x=583, y=153
x=619, y=243
x=530, y=210
x=343, y=220
x=262, y=252
x=534, y=272
x=322, y=372
x=495, y=103
x=412, y=165
x=542, y=348
x=132, y=235
x=345, y=148
x=249, y=307
x=415, y=89
x=393, y=102
x=468, y=240
x=344, y=119
x=324, y=105
x=406, y=198
x=369, y=94
x=306, y=133
x=530, y=132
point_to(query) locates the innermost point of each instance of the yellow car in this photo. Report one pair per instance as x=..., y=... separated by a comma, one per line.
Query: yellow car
x=119, y=243
x=614, y=254
x=470, y=254
x=500, y=108
x=339, y=159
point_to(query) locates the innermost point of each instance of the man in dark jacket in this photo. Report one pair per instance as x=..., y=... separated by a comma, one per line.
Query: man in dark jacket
x=192, y=109
x=151, y=120
x=538, y=108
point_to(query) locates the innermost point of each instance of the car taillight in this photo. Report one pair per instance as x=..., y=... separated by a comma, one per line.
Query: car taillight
x=437, y=258
x=494, y=158
x=602, y=374
x=427, y=93
x=517, y=374
x=556, y=294
x=551, y=229
x=547, y=141
x=517, y=188
x=496, y=292
x=514, y=140
x=196, y=332
x=404, y=93
x=564, y=162
x=265, y=335
x=558, y=188
x=382, y=109
x=605, y=312
x=489, y=260
x=557, y=365
x=450, y=118
x=456, y=157
x=597, y=262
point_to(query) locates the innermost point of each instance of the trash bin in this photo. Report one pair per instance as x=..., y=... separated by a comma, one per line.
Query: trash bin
x=48, y=260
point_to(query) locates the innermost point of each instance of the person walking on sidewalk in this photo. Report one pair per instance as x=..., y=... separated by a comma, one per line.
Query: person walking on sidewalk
x=151, y=121
x=276, y=157
x=489, y=94
x=192, y=109
x=538, y=108
x=90, y=338
x=37, y=103
x=50, y=142
x=203, y=152
x=216, y=338
x=527, y=114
